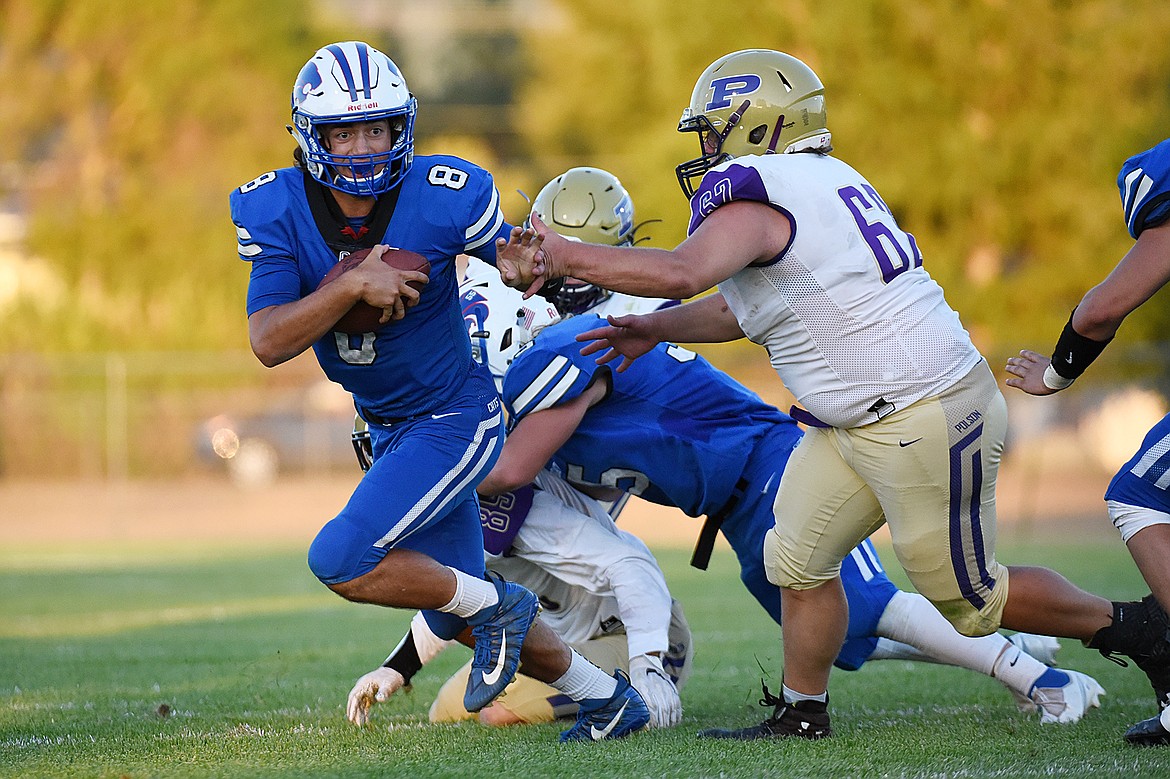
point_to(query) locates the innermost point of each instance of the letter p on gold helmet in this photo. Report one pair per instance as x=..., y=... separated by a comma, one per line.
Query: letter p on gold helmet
x=755, y=101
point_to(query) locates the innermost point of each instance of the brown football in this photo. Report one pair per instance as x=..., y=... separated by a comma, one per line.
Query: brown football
x=363, y=318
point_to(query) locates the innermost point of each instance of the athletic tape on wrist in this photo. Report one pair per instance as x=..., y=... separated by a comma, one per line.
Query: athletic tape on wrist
x=1054, y=381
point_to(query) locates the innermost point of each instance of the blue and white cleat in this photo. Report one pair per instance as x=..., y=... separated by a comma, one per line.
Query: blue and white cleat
x=608, y=718
x=1065, y=702
x=499, y=633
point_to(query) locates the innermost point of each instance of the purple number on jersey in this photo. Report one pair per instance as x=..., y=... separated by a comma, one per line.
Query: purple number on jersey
x=880, y=236
x=501, y=517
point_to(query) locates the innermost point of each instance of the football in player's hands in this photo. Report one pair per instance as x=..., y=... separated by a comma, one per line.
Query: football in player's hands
x=364, y=318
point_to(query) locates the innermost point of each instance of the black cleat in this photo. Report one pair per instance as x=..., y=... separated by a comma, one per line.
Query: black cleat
x=1148, y=733
x=1157, y=669
x=803, y=719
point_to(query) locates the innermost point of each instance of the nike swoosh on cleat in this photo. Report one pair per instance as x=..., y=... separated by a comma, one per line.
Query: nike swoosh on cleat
x=493, y=676
x=598, y=735
x=907, y=443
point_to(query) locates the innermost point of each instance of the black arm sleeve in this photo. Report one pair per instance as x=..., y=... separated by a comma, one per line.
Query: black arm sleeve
x=404, y=659
x=1074, y=352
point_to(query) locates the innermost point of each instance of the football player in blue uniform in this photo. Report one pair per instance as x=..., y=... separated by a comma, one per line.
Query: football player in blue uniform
x=409, y=536
x=676, y=431
x=1139, y=495
x=909, y=420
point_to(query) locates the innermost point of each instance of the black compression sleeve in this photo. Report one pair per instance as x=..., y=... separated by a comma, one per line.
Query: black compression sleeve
x=550, y=288
x=404, y=659
x=1074, y=352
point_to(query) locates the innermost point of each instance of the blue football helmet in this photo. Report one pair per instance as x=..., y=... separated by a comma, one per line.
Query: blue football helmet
x=345, y=83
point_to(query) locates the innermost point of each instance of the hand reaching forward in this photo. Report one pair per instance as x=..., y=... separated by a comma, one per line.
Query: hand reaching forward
x=375, y=687
x=1029, y=369
x=628, y=337
x=520, y=260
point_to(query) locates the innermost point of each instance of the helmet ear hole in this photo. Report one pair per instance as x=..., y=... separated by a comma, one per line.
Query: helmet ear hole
x=757, y=134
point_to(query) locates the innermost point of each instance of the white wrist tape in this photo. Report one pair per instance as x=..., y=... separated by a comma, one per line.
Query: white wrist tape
x=1054, y=381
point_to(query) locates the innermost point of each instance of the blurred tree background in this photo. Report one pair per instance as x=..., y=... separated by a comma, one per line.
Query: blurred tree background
x=993, y=129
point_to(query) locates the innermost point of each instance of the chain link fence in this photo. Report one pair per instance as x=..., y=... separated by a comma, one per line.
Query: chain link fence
x=127, y=416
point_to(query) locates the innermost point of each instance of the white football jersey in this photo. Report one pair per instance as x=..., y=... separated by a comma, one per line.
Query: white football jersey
x=853, y=324
x=592, y=578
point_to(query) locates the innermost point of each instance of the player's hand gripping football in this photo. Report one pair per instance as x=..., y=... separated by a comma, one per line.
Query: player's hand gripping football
x=391, y=289
x=1028, y=370
x=661, y=696
x=374, y=687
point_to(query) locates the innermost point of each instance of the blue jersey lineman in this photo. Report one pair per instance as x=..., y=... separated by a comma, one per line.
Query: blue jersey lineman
x=676, y=431
x=409, y=536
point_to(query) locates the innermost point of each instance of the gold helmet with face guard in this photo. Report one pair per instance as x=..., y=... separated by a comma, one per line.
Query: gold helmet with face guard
x=590, y=205
x=755, y=101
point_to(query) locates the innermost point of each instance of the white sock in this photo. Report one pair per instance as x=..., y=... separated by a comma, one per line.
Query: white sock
x=912, y=619
x=792, y=696
x=1017, y=669
x=472, y=595
x=896, y=650
x=584, y=680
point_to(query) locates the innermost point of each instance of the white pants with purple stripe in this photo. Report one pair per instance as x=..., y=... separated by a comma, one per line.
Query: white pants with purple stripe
x=929, y=471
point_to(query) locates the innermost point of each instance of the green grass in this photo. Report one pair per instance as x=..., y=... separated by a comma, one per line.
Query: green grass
x=254, y=659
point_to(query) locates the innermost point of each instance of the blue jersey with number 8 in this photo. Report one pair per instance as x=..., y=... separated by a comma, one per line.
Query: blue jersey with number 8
x=446, y=206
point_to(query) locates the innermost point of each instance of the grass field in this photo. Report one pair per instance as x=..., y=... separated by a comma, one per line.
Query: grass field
x=249, y=660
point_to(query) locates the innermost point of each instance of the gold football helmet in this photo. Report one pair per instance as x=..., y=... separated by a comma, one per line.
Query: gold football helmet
x=755, y=101
x=590, y=205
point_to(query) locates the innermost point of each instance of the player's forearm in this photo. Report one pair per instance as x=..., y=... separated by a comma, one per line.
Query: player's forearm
x=417, y=648
x=706, y=320
x=1143, y=271
x=1097, y=317
x=534, y=440
x=642, y=271
x=279, y=333
x=519, y=461
x=643, y=604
